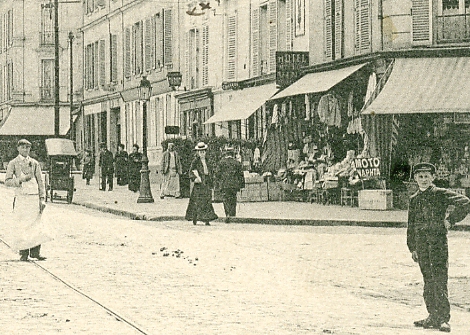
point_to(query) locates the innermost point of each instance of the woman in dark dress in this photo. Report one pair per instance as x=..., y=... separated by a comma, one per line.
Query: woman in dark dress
x=135, y=165
x=200, y=201
x=121, y=165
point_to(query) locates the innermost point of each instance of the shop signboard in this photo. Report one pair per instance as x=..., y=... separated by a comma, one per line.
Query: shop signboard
x=368, y=167
x=289, y=65
x=462, y=118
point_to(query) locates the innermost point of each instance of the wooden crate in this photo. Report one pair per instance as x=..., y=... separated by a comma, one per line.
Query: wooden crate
x=253, y=192
x=376, y=199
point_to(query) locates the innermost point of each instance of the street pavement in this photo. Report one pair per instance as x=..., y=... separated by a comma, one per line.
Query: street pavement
x=124, y=202
x=111, y=275
x=121, y=201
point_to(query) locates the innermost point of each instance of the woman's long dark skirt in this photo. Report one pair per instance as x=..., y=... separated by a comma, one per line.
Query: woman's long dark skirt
x=200, y=204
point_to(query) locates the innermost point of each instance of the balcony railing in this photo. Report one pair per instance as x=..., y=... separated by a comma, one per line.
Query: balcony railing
x=47, y=94
x=453, y=28
x=46, y=38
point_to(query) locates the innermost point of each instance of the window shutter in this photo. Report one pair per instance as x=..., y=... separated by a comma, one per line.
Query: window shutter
x=1, y=34
x=205, y=55
x=148, y=42
x=127, y=51
x=186, y=58
x=421, y=22
x=272, y=9
x=231, y=46
x=158, y=41
x=2, y=97
x=87, y=66
x=289, y=30
x=138, y=52
x=114, y=59
x=10, y=27
x=338, y=29
x=102, y=62
x=97, y=64
x=362, y=26
x=167, y=38
x=328, y=30
x=255, y=64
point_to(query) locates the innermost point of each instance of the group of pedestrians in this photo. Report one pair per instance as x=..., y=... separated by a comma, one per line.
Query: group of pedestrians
x=428, y=220
x=126, y=167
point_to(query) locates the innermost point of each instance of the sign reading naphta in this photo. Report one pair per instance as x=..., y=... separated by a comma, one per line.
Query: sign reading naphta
x=367, y=167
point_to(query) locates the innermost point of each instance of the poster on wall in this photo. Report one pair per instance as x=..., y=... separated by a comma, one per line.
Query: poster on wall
x=299, y=11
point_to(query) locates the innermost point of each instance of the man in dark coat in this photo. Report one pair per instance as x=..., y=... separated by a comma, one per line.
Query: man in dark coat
x=121, y=165
x=427, y=241
x=229, y=176
x=106, y=164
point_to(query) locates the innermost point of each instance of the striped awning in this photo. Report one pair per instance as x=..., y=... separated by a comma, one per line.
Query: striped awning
x=425, y=85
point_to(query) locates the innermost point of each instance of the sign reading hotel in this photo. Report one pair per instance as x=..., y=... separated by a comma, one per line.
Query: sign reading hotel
x=289, y=65
x=367, y=167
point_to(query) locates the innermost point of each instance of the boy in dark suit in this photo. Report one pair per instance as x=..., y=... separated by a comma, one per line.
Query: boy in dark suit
x=427, y=241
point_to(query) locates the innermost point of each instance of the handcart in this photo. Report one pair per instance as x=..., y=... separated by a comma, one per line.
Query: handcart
x=60, y=152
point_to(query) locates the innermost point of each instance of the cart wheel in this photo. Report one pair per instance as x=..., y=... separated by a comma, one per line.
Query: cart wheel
x=69, y=196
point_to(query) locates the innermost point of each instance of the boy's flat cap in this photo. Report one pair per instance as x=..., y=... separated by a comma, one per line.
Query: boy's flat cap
x=424, y=167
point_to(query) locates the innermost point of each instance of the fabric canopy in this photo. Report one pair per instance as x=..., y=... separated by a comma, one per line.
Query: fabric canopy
x=318, y=82
x=243, y=103
x=34, y=121
x=425, y=85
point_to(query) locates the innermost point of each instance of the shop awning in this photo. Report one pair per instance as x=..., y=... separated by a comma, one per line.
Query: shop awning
x=425, y=85
x=244, y=103
x=318, y=82
x=34, y=121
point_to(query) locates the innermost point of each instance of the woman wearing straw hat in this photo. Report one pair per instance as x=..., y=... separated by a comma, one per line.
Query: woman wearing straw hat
x=200, y=201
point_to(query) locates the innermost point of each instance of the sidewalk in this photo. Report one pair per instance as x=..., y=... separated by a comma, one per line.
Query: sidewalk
x=123, y=202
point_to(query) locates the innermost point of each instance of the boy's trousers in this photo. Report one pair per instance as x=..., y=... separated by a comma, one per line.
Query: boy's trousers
x=433, y=255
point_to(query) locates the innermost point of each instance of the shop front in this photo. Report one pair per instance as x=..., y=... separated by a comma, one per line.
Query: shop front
x=195, y=108
x=314, y=135
x=423, y=115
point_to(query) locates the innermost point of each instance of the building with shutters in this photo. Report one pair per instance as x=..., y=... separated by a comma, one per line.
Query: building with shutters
x=123, y=41
x=27, y=69
x=241, y=39
x=397, y=69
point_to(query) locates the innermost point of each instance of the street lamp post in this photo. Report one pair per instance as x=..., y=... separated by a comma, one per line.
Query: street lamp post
x=71, y=128
x=56, y=71
x=145, y=193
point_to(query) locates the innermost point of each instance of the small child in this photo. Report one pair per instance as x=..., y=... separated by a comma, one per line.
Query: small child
x=427, y=241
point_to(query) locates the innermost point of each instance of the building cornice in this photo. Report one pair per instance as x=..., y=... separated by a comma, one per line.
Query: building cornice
x=407, y=53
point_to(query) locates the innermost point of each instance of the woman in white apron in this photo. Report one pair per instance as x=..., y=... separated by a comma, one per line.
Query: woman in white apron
x=24, y=175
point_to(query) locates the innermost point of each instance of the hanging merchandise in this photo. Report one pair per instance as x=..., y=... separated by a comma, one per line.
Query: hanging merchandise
x=329, y=110
x=275, y=118
x=283, y=115
x=307, y=108
x=371, y=86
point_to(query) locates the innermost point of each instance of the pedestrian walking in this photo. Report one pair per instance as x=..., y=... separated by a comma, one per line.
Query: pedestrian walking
x=135, y=165
x=25, y=175
x=121, y=162
x=200, y=201
x=107, y=168
x=88, y=166
x=230, y=179
x=427, y=241
x=171, y=171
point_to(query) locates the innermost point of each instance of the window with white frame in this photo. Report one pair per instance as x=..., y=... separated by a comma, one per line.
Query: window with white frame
x=47, y=79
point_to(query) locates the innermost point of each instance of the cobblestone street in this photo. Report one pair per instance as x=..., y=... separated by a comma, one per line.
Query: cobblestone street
x=176, y=278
